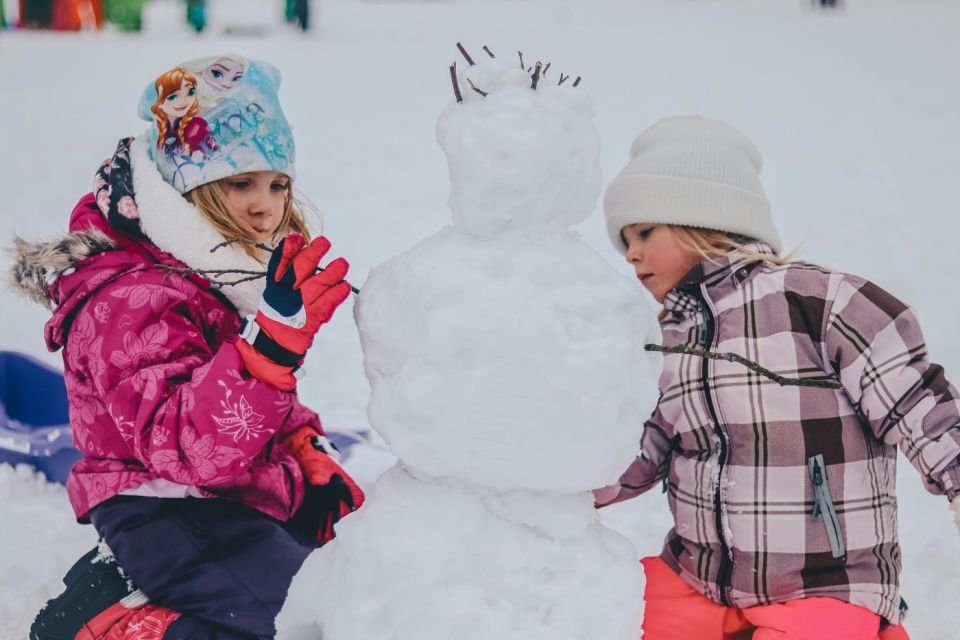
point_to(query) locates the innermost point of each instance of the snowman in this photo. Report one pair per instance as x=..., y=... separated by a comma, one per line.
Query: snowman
x=508, y=375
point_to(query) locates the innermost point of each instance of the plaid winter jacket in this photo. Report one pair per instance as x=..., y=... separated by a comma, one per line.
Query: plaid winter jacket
x=780, y=491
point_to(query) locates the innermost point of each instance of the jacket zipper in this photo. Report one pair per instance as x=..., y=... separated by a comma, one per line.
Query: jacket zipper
x=705, y=340
x=823, y=506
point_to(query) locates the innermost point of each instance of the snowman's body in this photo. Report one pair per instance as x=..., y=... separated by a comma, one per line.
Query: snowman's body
x=508, y=375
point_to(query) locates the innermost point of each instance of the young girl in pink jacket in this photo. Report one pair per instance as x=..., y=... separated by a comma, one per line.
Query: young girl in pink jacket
x=185, y=297
x=786, y=391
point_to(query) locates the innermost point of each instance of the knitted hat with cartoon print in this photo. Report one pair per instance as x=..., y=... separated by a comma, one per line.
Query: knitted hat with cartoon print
x=691, y=171
x=215, y=117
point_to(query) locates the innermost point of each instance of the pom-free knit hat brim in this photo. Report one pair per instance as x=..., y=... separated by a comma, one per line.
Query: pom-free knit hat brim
x=691, y=171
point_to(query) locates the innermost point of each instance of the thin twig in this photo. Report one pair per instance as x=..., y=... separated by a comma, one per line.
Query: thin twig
x=753, y=366
x=576, y=82
x=489, y=53
x=474, y=87
x=216, y=276
x=456, y=85
x=563, y=79
x=546, y=68
x=522, y=66
x=465, y=54
x=227, y=243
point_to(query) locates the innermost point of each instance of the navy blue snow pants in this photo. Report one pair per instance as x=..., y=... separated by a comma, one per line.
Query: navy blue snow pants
x=224, y=566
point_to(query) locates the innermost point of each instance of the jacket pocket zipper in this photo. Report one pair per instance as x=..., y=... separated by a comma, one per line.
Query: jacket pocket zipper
x=823, y=506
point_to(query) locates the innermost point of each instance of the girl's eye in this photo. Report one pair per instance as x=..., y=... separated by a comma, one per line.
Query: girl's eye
x=192, y=92
x=645, y=233
x=238, y=77
x=217, y=75
x=278, y=186
x=171, y=97
x=240, y=184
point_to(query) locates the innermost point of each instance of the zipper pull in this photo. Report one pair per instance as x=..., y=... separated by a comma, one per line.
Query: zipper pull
x=702, y=336
x=816, y=476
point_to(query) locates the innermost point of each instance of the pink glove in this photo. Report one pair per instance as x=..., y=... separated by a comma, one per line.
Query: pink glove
x=297, y=301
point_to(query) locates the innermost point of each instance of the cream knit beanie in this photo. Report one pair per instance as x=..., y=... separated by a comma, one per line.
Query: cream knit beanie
x=692, y=171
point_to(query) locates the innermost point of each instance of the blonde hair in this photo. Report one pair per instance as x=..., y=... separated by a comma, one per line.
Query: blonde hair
x=211, y=201
x=710, y=244
x=165, y=84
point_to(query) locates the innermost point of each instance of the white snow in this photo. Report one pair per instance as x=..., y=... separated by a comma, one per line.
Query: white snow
x=855, y=113
x=445, y=559
x=509, y=363
x=471, y=340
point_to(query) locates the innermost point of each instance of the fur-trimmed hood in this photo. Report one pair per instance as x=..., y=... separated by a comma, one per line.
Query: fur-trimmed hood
x=37, y=265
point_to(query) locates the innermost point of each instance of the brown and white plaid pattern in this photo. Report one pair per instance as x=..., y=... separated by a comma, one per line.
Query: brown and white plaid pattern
x=725, y=435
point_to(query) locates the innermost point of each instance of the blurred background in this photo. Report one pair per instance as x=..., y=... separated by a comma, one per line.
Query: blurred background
x=853, y=104
x=255, y=16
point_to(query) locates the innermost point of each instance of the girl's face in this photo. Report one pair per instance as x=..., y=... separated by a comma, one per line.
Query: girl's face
x=258, y=198
x=177, y=103
x=659, y=261
x=224, y=74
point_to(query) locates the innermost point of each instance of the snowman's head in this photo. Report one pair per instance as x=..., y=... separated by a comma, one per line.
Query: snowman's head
x=521, y=147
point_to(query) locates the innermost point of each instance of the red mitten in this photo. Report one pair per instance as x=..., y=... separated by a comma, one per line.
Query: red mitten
x=297, y=301
x=330, y=493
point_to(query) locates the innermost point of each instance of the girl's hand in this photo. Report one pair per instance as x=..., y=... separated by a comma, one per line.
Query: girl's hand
x=330, y=493
x=297, y=301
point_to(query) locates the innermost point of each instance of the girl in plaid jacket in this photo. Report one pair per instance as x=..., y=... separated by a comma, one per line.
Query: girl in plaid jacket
x=781, y=477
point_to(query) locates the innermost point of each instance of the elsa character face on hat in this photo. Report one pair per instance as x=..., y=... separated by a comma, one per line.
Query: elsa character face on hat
x=218, y=76
x=215, y=117
x=224, y=73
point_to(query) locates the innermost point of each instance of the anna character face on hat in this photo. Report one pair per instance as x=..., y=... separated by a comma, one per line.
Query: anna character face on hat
x=175, y=107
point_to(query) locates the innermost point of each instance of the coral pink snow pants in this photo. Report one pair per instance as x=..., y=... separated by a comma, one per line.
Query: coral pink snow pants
x=674, y=611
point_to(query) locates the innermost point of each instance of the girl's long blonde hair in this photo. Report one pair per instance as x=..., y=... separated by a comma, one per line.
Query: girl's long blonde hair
x=211, y=201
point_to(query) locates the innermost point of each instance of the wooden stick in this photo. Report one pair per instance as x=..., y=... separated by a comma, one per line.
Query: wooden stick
x=456, y=85
x=563, y=79
x=474, y=87
x=489, y=53
x=753, y=366
x=536, y=76
x=576, y=82
x=546, y=68
x=465, y=54
x=227, y=243
x=522, y=66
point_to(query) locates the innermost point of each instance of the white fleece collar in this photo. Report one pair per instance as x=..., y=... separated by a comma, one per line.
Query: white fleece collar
x=176, y=227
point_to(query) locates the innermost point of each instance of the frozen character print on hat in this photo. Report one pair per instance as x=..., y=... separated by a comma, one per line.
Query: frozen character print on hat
x=215, y=117
x=181, y=131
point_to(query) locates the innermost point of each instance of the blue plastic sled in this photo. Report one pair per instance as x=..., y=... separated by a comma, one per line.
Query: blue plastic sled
x=35, y=422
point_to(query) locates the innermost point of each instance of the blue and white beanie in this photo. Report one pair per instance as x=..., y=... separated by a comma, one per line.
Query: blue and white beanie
x=215, y=117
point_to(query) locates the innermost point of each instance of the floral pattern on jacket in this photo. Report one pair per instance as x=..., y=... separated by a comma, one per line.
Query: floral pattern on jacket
x=158, y=393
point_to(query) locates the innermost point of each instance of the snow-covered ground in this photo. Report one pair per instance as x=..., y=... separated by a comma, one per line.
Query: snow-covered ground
x=855, y=112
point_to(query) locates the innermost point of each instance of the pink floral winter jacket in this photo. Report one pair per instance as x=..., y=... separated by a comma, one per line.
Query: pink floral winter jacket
x=160, y=403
